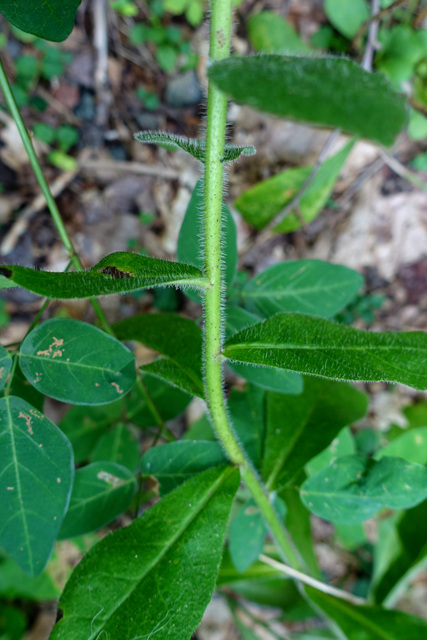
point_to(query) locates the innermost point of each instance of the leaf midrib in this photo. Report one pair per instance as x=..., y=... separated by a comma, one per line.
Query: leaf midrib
x=322, y=347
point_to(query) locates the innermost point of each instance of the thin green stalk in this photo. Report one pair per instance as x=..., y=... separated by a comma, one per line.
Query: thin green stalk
x=38, y=171
x=213, y=185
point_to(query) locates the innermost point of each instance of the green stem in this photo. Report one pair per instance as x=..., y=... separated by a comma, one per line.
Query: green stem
x=213, y=185
x=38, y=171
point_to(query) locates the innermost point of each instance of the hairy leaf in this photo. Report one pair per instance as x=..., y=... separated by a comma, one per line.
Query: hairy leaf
x=48, y=19
x=334, y=92
x=322, y=348
x=36, y=462
x=300, y=427
x=168, y=560
x=177, y=339
x=196, y=148
x=75, y=362
x=101, y=492
x=353, y=488
x=120, y=272
x=5, y=366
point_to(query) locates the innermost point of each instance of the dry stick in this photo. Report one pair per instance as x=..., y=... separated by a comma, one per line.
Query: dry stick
x=375, y=18
x=100, y=41
x=130, y=167
x=403, y=171
x=312, y=582
x=372, y=41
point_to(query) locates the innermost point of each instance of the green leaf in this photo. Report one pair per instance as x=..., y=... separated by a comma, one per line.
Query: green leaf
x=300, y=427
x=36, y=480
x=23, y=389
x=169, y=402
x=247, y=416
x=118, y=445
x=305, y=286
x=368, y=623
x=322, y=348
x=177, y=339
x=101, y=492
x=267, y=378
x=83, y=426
x=48, y=19
x=168, y=560
x=120, y=272
x=174, y=463
x=342, y=445
x=196, y=148
x=411, y=446
x=263, y=202
x=13, y=623
x=15, y=584
x=191, y=233
x=353, y=488
x=5, y=366
x=270, y=33
x=247, y=534
x=75, y=362
x=334, y=92
x=347, y=16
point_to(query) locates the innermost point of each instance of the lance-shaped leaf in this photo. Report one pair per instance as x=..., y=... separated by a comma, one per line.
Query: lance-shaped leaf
x=177, y=339
x=118, y=445
x=300, y=427
x=48, y=19
x=120, y=272
x=193, y=146
x=368, y=623
x=75, y=362
x=353, y=488
x=334, y=92
x=36, y=477
x=161, y=569
x=101, y=492
x=305, y=286
x=5, y=365
x=174, y=463
x=322, y=348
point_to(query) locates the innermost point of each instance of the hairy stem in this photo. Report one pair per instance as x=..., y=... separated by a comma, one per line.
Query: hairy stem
x=38, y=171
x=213, y=185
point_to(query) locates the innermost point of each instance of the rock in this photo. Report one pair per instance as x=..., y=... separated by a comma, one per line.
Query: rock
x=183, y=90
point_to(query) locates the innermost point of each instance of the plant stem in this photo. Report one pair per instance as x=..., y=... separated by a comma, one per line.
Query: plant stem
x=38, y=171
x=213, y=185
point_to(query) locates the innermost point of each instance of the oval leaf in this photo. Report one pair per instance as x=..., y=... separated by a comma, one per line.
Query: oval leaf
x=75, y=362
x=333, y=92
x=5, y=366
x=101, y=492
x=48, y=19
x=120, y=272
x=247, y=534
x=305, y=286
x=353, y=488
x=35, y=484
x=168, y=560
x=118, y=445
x=322, y=348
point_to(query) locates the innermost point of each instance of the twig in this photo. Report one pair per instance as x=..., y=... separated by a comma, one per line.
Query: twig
x=403, y=171
x=100, y=41
x=130, y=167
x=363, y=177
x=375, y=18
x=372, y=42
x=312, y=582
x=64, y=111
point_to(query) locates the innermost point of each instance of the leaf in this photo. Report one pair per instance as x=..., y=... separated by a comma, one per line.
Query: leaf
x=168, y=401
x=267, y=377
x=36, y=480
x=177, y=339
x=5, y=366
x=247, y=534
x=411, y=446
x=174, y=463
x=342, y=445
x=300, y=427
x=48, y=19
x=305, y=286
x=120, y=272
x=118, y=445
x=333, y=92
x=347, y=16
x=23, y=389
x=101, y=492
x=322, y=348
x=196, y=148
x=15, y=584
x=368, y=623
x=75, y=362
x=270, y=33
x=168, y=560
x=247, y=417
x=263, y=202
x=353, y=488
x=190, y=240
x=83, y=426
